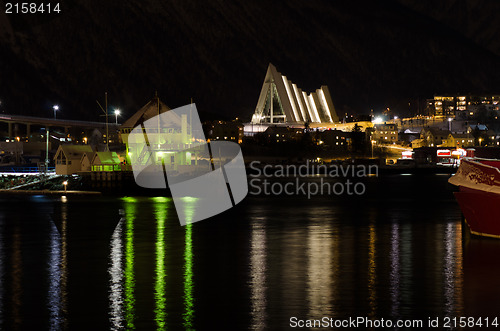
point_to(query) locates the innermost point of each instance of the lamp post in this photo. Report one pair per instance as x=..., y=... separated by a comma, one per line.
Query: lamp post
x=117, y=112
x=47, y=134
x=449, y=123
x=65, y=183
x=56, y=108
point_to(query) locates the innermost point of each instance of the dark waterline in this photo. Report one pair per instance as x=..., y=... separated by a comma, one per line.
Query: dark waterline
x=395, y=253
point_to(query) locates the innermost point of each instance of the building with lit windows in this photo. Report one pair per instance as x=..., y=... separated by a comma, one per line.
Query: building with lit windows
x=282, y=134
x=335, y=139
x=461, y=106
x=281, y=101
x=459, y=140
x=173, y=141
x=385, y=133
x=224, y=130
x=434, y=137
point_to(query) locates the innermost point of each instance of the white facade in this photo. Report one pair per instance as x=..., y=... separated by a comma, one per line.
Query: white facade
x=281, y=101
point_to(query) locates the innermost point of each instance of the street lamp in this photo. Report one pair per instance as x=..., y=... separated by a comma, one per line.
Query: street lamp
x=56, y=108
x=65, y=183
x=117, y=112
x=449, y=123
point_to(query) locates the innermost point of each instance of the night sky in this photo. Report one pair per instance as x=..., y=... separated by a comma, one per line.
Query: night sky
x=217, y=52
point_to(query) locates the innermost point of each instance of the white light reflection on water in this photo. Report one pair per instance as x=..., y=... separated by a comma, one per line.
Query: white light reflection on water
x=453, y=271
x=459, y=271
x=57, y=269
x=115, y=271
x=258, y=269
x=406, y=275
x=64, y=263
x=395, y=270
x=121, y=270
x=322, y=269
x=54, y=270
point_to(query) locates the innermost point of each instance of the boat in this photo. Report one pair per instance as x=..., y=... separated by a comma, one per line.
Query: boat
x=479, y=195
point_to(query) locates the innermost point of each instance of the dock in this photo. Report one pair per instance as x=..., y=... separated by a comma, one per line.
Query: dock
x=47, y=192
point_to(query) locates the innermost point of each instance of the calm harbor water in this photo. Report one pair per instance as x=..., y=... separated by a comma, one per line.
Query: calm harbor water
x=103, y=263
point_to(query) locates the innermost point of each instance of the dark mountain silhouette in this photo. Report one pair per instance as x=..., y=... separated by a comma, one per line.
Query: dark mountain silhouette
x=373, y=55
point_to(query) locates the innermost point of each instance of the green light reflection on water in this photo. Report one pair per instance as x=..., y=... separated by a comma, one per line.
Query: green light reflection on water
x=188, y=267
x=130, y=212
x=160, y=206
x=160, y=278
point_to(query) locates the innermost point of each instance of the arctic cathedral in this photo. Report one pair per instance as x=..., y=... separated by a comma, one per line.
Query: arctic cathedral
x=282, y=102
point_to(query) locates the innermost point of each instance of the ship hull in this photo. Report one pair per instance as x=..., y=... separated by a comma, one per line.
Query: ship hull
x=479, y=195
x=481, y=211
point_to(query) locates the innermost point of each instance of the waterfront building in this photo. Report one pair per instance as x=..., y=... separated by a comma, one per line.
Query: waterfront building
x=172, y=140
x=106, y=161
x=68, y=158
x=282, y=101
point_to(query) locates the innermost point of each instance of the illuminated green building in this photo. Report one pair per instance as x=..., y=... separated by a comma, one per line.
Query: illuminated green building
x=169, y=141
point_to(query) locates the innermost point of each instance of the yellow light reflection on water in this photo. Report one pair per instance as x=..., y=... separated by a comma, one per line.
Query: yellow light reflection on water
x=258, y=287
x=372, y=272
x=160, y=277
x=322, y=247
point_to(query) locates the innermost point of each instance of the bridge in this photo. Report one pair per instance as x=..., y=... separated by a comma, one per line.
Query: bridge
x=13, y=122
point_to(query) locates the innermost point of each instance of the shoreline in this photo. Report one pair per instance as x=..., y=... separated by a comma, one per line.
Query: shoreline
x=47, y=192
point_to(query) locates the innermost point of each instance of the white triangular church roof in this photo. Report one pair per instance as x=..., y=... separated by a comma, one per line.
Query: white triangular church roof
x=295, y=106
